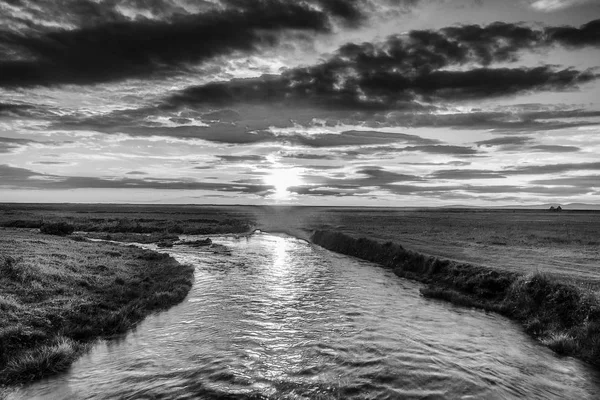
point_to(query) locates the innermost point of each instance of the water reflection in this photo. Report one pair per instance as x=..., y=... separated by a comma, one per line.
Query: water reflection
x=282, y=319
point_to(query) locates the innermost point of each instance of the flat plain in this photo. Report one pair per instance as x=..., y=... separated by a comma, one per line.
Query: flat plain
x=565, y=244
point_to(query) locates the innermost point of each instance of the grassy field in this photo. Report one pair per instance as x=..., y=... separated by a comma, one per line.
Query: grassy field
x=58, y=294
x=131, y=219
x=563, y=244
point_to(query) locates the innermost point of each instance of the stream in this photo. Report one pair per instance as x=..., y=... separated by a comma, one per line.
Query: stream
x=275, y=317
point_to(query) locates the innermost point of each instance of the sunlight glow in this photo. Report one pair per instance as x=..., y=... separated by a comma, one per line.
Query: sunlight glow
x=282, y=179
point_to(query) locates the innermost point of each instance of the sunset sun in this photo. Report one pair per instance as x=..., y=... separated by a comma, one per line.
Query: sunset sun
x=281, y=179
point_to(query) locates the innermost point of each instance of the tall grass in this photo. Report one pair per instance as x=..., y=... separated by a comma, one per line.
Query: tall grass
x=56, y=356
x=564, y=317
x=58, y=295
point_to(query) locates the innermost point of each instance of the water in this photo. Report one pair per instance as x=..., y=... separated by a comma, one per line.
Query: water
x=280, y=318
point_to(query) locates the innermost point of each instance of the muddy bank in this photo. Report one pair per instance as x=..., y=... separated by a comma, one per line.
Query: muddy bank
x=563, y=317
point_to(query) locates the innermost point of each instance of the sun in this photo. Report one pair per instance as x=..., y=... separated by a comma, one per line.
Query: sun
x=281, y=179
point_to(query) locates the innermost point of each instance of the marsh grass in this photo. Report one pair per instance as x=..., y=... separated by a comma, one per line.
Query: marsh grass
x=562, y=316
x=59, y=295
x=56, y=356
x=126, y=222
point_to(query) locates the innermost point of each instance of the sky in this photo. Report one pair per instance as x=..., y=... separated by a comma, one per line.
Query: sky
x=308, y=102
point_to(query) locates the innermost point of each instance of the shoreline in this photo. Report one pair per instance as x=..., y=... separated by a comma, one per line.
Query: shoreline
x=561, y=316
x=62, y=293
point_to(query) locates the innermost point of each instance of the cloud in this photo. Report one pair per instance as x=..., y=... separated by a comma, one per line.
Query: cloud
x=341, y=84
x=442, y=149
x=555, y=5
x=25, y=178
x=555, y=148
x=321, y=167
x=585, y=182
x=514, y=120
x=587, y=35
x=14, y=174
x=403, y=71
x=306, y=156
x=553, y=168
x=128, y=122
x=117, y=48
x=356, y=138
x=377, y=176
x=7, y=145
x=505, y=141
x=444, y=191
x=244, y=158
x=451, y=174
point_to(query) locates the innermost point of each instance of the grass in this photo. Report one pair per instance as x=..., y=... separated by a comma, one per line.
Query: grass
x=562, y=316
x=58, y=295
x=129, y=221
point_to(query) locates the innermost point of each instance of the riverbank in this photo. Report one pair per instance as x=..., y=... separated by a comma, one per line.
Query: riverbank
x=59, y=294
x=562, y=316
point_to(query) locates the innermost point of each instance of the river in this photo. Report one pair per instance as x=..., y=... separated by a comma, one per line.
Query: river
x=275, y=317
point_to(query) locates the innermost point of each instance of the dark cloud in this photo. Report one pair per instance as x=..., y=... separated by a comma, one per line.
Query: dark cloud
x=25, y=178
x=119, y=48
x=331, y=86
x=523, y=170
x=555, y=148
x=7, y=145
x=378, y=176
x=451, y=174
x=306, y=156
x=356, y=138
x=516, y=120
x=12, y=110
x=107, y=45
x=445, y=191
x=367, y=177
x=244, y=158
x=442, y=149
x=325, y=191
x=505, y=141
x=50, y=162
x=136, y=173
x=485, y=189
x=11, y=175
x=222, y=116
x=393, y=74
x=586, y=35
x=128, y=122
x=455, y=163
x=585, y=182
x=553, y=168
x=321, y=167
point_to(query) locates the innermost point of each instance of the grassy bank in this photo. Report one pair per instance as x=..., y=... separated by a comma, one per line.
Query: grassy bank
x=58, y=295
x=564, y=317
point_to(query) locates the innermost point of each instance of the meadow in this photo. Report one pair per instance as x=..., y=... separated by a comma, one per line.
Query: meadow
x=565, y=244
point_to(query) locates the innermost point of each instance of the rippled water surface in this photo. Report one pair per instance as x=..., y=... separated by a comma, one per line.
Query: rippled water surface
x=280, y=318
